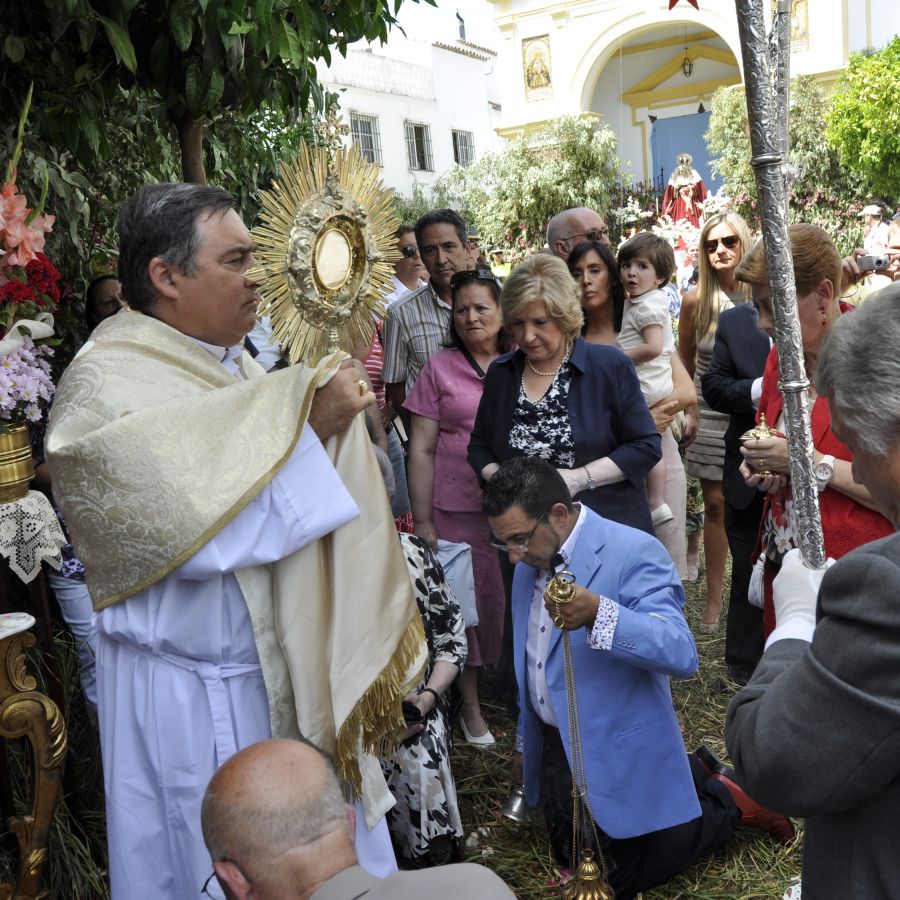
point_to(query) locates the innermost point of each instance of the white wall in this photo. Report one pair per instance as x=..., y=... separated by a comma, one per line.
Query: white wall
x=411, y=79
x=872, y=23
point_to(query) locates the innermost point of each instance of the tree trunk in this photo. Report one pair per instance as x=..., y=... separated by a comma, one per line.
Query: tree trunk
x=190, y=137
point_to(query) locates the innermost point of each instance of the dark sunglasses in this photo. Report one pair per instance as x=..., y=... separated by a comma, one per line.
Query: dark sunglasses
x=410, y=250
x=729, y=241
x=467, y=275
x=594, y=234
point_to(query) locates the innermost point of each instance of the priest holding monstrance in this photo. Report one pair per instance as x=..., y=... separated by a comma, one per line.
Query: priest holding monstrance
x=223, y=519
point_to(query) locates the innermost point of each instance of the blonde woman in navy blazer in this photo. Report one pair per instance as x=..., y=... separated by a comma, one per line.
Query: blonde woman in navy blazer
x=603, y=440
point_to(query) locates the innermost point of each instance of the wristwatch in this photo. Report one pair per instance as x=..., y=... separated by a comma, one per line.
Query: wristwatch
x=824, y=472
x=591, y=484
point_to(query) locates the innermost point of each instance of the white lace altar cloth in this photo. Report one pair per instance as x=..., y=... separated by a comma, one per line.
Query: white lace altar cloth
x=30, y=534
x=13, y=623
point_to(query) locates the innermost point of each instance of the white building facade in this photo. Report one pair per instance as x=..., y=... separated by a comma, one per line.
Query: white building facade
x=417, y=105
x=650, y=71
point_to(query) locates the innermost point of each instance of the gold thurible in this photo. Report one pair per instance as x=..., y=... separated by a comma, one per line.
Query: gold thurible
x=589, y=878
x=588, y=883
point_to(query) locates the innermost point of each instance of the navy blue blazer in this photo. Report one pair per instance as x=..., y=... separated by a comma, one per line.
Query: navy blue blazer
x=739, y=356
x=608, y=415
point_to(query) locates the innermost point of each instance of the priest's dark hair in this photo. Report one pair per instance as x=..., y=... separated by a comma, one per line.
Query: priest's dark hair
x=160, y=220
x=530, y=483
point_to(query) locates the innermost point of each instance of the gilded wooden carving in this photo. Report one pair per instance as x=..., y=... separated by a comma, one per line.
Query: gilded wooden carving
x=24, y=712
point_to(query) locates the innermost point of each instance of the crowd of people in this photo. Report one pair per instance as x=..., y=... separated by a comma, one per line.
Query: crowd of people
x=297, y=575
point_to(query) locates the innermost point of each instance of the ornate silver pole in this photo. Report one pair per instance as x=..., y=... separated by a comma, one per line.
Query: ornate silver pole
x=767, y=109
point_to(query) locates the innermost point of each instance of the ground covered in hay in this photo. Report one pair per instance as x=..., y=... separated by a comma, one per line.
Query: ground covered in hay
x=752, y=867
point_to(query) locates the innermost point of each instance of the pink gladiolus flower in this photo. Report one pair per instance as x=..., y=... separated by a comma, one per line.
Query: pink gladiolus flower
x=24, y=242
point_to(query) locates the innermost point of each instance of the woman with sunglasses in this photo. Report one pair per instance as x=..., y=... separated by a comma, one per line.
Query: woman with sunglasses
x=575, y=404
x=594, y=269
x=446, y=500
x=723, y=241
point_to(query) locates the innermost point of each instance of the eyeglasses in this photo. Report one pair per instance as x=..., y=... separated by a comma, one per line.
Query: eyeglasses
x=205, y=888
x=467, y=275
x=410, y=250
x=593, y=234
x=523, y=546
x=730, y=241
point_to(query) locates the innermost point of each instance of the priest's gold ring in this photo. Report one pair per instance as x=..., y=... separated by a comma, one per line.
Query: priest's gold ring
x=558, y=621
x=363, y=387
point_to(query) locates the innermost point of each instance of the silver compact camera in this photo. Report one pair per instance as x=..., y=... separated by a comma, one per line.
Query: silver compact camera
x=872, y=263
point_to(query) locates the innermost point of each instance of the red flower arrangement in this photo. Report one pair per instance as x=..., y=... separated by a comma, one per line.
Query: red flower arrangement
x=29, y=292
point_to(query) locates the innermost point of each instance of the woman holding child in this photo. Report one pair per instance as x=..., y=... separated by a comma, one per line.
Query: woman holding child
x=596, y=275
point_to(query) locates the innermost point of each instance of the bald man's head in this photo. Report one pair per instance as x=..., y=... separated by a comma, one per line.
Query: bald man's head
x=571, y=227
x=271, y=798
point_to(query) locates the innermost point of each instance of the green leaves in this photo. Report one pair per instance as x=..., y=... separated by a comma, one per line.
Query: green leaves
x=216, y=89
x=195, y=88
x=865, y=118
x=824, y=192
x=211, y=59
x=511, y=195
x=181, y=24
x=14, y=48
x=121, y=43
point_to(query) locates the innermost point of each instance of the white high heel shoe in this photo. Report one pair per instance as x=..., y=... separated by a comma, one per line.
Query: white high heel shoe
x=482, y=740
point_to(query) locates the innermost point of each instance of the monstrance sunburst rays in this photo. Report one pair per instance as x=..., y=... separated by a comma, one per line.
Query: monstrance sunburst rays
x=326, y=252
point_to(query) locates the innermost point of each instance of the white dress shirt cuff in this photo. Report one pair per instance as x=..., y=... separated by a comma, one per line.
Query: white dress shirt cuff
x=601, y=635
x=756, y=391
x=796, y=629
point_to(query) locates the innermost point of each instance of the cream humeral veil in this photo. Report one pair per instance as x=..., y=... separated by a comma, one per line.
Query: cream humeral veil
x=154, y=447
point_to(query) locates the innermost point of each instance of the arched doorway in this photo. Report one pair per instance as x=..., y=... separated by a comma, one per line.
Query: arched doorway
x=654, y=90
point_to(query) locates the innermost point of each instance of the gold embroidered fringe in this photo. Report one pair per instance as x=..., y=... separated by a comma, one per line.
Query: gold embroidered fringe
x=378, y=714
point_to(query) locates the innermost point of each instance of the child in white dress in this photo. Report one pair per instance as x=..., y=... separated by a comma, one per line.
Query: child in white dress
x=646, y=262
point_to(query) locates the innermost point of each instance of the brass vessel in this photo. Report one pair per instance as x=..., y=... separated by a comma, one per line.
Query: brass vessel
x=760, y=432
x=16, y=465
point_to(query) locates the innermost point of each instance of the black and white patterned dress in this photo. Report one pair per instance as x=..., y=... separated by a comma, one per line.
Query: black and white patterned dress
x=419, y=774
x=543, y=429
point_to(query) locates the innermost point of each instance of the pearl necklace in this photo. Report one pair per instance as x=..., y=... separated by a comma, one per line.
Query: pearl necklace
x=557, y=370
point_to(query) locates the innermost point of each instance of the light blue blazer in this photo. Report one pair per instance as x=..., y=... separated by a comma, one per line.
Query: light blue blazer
x=638, y=777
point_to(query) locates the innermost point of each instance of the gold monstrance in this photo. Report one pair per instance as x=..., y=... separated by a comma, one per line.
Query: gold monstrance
x=589, y=878
x=326, y=252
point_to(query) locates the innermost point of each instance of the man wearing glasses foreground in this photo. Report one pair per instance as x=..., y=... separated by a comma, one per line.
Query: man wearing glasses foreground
x=571, y=227
x=657, y=810
x=277, y=828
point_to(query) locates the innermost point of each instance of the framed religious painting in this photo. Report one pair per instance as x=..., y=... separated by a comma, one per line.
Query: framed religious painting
x=536, y=68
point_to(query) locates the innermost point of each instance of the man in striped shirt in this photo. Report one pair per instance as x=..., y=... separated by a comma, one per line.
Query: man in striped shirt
x=417, y=324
